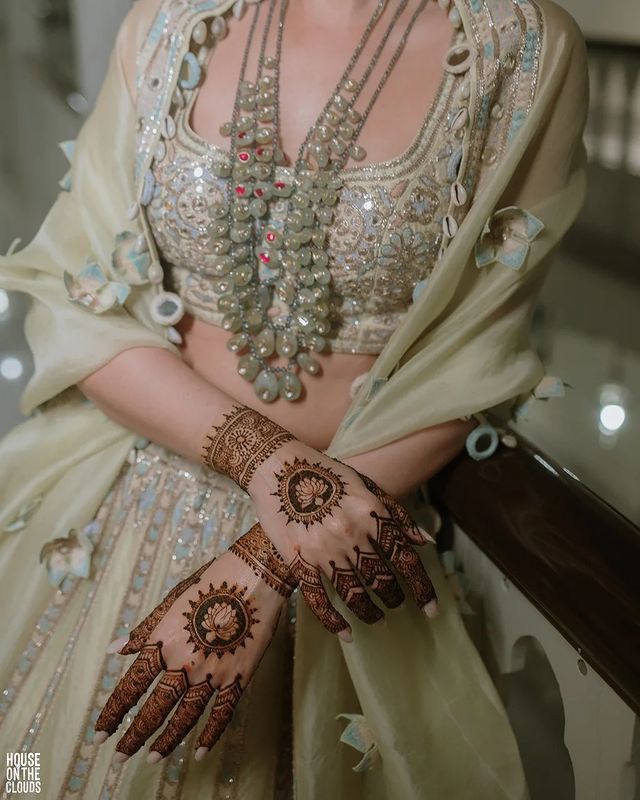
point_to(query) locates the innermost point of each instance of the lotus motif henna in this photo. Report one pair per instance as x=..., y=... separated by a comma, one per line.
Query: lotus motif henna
x=141, y=632
x=241, y=443
x=256, y=549
x=308, y=492
x=220, y=620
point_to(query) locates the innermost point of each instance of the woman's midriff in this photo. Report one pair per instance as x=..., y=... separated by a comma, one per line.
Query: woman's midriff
x=313, y=418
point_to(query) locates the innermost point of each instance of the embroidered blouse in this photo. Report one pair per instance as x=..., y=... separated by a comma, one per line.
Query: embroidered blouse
x=385, y=239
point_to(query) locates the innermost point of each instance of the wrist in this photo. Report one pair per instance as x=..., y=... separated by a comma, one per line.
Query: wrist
x=242, y=443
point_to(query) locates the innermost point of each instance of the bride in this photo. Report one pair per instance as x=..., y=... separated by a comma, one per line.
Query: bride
x=290, y=275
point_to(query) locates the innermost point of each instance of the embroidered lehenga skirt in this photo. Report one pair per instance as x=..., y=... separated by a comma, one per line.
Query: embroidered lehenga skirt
x=162, y=518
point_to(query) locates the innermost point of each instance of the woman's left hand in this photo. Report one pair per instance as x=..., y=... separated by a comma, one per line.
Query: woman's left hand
x=206, y=637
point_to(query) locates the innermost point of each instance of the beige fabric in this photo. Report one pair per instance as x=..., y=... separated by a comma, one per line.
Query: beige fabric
x=464, y=347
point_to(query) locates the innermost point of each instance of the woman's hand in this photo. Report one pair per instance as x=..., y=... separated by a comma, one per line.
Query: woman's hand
x=206, y=637
x=323, y=517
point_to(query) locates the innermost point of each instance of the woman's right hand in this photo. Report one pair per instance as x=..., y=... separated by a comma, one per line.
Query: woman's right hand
x=206, y=637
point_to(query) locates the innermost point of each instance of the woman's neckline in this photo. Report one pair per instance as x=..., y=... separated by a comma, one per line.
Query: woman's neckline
x=204, y=146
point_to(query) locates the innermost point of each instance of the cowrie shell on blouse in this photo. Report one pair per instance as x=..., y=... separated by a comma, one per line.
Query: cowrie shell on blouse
x=449, y=226
x=174, y=335
x=454, y=17
x=239, y=7
x=199, y=34
x=219, y=27
x=497, y=111
x=458, y=194
x=460, y=119
x=169, y=129
x=167, y=308
x=458, y=58
x=464, y=92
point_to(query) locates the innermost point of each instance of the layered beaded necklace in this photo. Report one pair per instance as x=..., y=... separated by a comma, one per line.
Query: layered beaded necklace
x=257, y=261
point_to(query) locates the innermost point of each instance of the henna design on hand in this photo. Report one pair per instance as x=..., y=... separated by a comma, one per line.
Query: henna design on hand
x=308, y=492
x=225, y=704
x=396, y=510
x=312, y=589
x=144, y=629
x=185, y=717
x=241, y=443
x=256, y=549
x=220, y=620
x=377, y=575
x=401, y=554
x=153, y=713
x=133, y=684
x=354, y=595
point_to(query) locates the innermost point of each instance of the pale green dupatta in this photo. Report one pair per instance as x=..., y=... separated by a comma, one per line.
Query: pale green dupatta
x=425, y=698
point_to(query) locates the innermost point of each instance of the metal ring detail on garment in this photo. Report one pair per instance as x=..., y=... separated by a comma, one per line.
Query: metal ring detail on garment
x=458, y=58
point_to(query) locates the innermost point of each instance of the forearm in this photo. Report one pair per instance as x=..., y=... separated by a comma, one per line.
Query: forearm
x=157, y=395
x=402, y=465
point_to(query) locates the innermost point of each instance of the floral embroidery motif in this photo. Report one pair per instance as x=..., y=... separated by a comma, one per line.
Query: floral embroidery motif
x=506, y=237
x=70, y=554
x=359, y=735
x=91, y=288
x=131, y=258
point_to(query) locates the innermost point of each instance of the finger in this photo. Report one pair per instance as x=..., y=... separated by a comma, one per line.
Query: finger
x=153, y=713
x=408, y=563
x=398, y=512
x=189, y=711
x=133, y=684
x=353, y=594
x=221, y=713
x=141, y=632
x=378, y=577
x=312, y=589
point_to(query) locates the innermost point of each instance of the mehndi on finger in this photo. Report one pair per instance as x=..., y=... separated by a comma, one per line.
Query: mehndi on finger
x=170, y=688
x=130, y=688
x=141, y=632
x=353, y=594
x=405, y=559
x=256, y=549
x=191, y=708
x=312, y=589
x=378, y=577
x=225, y=704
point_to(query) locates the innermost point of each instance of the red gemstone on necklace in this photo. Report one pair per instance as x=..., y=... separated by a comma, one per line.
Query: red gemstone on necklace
x=258, y=192
x=265, y=258
x=240, y=190
x=271, y=237
x=260, y=151
x=241, y=135
x=279, y=185
x=243, y=156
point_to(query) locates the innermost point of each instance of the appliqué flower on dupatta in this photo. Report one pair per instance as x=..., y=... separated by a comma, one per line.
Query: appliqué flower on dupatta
x=70, y=554
x=93, y=289
x=506, y=237
x=359, y=735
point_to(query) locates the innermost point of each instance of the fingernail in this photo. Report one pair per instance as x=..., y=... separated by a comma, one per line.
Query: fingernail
x=117, y=644
x=153, y=757
x=119, y=758
x=431, y=608
x=427, y=536
x=100, y=736
x=346, y=635
x=201, y=752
